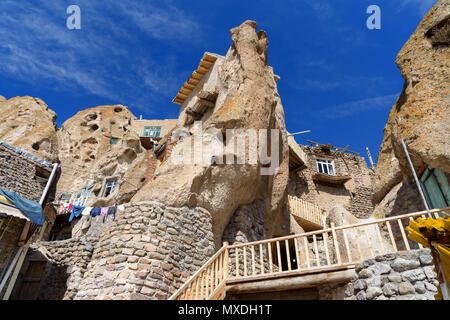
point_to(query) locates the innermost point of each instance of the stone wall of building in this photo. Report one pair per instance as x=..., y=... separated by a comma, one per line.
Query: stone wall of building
x=354, y=195
x=65, y=264
x=22, y=175
x=405, y=275
x=10, y=230
x=147, y=252
x=26, y=175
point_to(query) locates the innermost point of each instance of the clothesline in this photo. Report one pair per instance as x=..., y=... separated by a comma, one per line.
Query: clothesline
x=77, y=211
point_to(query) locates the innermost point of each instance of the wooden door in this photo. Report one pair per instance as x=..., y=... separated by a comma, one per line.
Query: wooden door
x=29, y=288
x=436, y=188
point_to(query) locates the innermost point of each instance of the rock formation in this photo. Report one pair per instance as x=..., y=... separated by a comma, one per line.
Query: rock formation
x=421, y=114
x=28, y=123
x=341, y=217
x=89, y=153
x=245, y=95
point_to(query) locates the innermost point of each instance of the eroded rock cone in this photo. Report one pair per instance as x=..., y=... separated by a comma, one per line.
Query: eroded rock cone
x=29, y=124
x=421, y=114
x=245, y=97
x=98, y=144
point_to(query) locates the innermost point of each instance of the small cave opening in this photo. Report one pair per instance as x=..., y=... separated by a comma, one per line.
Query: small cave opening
x=118, y=109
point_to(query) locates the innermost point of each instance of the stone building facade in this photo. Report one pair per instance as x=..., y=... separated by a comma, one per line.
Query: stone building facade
x=26, y=175
x=350, y=185
x=147, y=252
x=165, y=126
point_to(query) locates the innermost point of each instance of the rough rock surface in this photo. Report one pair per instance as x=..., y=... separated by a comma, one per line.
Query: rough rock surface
x=87, y=156
x=367, y=235
x=421, y=114
x=29, y=124
x=246, y=98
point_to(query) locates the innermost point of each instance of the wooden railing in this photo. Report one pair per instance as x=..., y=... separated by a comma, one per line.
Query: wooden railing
x=209, y=282
x=305, y=210
x=317, y=251
x=335, y=247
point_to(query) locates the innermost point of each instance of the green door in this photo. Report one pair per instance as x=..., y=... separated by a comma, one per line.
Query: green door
x=435, y=187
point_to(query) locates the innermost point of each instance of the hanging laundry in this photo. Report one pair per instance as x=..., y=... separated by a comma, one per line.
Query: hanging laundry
x=76, y=212
x=103, y=213
x=121, y=207
x=86, y=211
x=95, y=212
x=112, y=211
x=66, y=207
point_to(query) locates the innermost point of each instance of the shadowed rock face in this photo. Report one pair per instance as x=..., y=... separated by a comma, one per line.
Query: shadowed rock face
x=421, y=114
x=246, y=97
x=29, y=124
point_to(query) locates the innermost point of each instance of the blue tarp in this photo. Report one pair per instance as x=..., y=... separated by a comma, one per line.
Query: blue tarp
x=31, y=209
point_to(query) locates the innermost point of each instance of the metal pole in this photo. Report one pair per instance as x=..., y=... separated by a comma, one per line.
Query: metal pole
x=417, y=180
x=296, y=134
x=10, y=269
x=49, y=183
x=370, y=157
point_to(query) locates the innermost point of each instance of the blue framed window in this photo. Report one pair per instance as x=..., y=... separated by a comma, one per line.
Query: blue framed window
x=153, y=132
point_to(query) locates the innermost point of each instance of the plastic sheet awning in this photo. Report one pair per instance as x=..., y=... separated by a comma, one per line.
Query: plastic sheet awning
x=12, y=211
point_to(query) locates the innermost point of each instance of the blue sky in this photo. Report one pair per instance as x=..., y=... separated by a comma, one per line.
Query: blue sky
x=338, y=79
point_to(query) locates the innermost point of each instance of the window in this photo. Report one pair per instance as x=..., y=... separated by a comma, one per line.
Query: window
x=153, y=132
x=325, y=166
x=82, y=196
x=109, y=188
x=78, y=199
x=65, y=197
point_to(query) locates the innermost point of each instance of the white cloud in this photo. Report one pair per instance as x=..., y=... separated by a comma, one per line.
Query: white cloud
x=355, y=107
x=101, y=58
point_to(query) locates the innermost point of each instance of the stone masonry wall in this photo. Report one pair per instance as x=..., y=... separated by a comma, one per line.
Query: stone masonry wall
x=18, y=174
x=66, y=263
x=10, y=231
x=147, y=252
x=355, y=195
x=405, y=275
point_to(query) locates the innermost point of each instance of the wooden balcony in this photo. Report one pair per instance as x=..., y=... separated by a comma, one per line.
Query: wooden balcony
x=287, y=263
x=309, y=216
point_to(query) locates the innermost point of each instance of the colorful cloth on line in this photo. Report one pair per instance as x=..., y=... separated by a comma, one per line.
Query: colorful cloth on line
x=95, y=212
x=103, y=213
x=112, y=211
x=86, y=211
x=76, y=212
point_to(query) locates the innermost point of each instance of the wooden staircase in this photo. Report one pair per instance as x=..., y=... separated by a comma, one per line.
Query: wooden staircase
x=295, y=261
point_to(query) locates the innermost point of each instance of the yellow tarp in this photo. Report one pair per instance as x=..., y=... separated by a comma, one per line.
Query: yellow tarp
x=4, y=200
x=434, y=234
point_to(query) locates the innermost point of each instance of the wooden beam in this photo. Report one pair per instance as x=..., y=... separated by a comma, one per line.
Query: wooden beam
x=293, y=283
